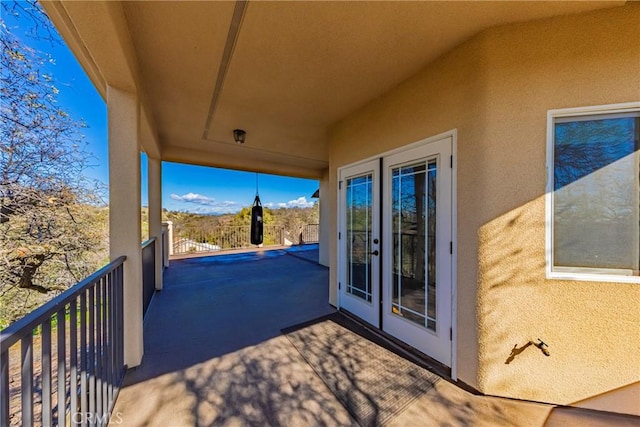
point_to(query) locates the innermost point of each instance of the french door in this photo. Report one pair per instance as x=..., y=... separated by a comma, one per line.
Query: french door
x=395, y=245
x=359, y=241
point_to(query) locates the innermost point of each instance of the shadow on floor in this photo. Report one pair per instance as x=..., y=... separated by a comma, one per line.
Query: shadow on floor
x=371, y=381
x=216, y=305
x=215, y=355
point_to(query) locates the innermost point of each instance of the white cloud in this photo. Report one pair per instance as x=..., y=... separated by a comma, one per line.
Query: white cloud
x=300, y=202
x=194, y=198
x=207, y=205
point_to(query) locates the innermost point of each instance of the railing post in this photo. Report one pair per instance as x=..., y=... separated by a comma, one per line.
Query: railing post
x=62, y=361
x=167, y=241
x=26, y=348
x=4, y=387
x=45, y=367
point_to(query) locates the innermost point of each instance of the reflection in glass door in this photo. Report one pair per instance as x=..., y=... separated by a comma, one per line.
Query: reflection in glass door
x=413, y=204
x=358, y=236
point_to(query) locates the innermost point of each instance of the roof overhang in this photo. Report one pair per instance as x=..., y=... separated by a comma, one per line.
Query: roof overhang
x=285, y=72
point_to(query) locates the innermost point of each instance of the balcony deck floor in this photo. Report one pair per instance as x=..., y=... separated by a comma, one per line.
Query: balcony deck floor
x=214, y=355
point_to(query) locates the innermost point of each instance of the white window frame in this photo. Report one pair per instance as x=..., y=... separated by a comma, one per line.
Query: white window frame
x=567, y=273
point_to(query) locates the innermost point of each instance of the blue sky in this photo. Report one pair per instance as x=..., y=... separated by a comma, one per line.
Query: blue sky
x=185, y=187
x=209, y=190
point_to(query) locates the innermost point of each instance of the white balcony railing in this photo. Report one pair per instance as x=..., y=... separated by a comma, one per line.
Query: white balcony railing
x=238, y=237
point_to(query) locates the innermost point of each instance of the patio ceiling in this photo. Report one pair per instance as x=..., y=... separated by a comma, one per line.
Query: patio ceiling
x=283, y=71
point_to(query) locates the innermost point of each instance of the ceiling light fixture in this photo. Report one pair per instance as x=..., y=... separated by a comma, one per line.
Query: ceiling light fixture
x=239, y=136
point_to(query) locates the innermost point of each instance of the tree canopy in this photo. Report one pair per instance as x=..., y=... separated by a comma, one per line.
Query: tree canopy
x=47, y=206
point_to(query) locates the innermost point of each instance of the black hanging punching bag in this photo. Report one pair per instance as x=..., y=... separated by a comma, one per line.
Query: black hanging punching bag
x=256, y=222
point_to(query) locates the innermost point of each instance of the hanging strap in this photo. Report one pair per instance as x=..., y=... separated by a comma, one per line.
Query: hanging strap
x=256, y=201
x=257, y=185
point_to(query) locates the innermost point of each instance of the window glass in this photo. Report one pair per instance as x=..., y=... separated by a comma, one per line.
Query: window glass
x=413, y=202
x=596, y=194
x=359, y=226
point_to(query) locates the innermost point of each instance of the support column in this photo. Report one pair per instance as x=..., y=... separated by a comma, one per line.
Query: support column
x=330, y=202
x=324, y=232
x=154, y=167
x=124, y=212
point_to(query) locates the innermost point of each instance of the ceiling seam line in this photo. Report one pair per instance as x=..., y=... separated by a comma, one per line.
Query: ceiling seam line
x=275, y=153
x=232, y=37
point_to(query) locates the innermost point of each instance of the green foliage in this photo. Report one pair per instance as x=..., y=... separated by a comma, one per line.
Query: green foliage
x=244, y=217
x=232, y=230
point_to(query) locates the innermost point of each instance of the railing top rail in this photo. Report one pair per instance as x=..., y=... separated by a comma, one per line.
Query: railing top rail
x=148, y=242
x=19, y=329
x=223, y=227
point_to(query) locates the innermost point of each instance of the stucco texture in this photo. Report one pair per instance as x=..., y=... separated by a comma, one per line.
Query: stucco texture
x=495, y=89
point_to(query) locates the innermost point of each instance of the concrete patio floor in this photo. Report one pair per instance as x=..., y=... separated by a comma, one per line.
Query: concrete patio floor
x=215, y=355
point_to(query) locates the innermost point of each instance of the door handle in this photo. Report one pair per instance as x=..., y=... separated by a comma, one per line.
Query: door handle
x=374, y=253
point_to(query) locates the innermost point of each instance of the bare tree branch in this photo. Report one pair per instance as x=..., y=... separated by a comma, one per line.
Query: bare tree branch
x=48, y=215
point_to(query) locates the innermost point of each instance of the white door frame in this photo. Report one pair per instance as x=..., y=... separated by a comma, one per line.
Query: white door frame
x=454, y=230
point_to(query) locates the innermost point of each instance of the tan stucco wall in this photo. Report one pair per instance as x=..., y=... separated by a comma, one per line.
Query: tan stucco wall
x=495, y=89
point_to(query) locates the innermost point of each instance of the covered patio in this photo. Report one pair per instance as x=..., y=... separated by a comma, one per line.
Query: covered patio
x=215, y=354
x=338, y=91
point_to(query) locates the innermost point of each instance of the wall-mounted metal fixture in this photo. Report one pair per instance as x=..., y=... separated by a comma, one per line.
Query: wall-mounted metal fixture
x=239, y=136
x=543, y=347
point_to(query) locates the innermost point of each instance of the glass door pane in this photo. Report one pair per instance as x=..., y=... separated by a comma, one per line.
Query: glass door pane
x=358, y=234
x=413, y=217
